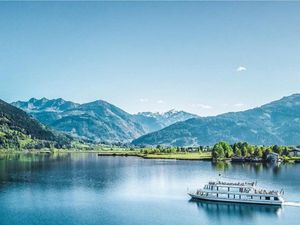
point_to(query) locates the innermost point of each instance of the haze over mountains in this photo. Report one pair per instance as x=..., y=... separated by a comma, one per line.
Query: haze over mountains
x=98, y=120
x=156, y=121
x=275, y=123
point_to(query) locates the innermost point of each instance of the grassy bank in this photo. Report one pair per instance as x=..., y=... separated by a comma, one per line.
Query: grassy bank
x=180, y=156
x=177, y=155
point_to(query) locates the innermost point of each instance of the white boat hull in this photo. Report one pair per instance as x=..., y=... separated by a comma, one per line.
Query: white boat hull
x=208, y=198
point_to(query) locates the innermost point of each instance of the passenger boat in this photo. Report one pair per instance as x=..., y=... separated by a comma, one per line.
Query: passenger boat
x=238, y=192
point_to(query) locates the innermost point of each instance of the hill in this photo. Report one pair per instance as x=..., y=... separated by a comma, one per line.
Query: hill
x=275, y=123
x=18, y=129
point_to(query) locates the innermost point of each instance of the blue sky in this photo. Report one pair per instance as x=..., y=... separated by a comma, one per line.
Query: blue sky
x=202, y=57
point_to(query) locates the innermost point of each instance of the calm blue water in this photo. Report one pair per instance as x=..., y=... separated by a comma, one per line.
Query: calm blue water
x=87, y=189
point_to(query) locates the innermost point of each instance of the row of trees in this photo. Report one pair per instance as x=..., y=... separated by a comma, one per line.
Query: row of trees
x=243, y=149
x=224, y=150
x=168, y=149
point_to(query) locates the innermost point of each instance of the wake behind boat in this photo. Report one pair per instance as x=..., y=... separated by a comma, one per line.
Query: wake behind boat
x=237, y=192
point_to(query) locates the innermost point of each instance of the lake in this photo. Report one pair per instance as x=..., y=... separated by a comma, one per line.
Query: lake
x=83, y=188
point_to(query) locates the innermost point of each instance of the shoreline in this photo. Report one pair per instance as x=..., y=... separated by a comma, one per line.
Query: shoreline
x=187, y=156
x=191, y=156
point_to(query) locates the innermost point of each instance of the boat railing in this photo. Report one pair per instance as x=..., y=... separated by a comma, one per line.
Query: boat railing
x=263, y=191
x=247, y=191
x=232, y=183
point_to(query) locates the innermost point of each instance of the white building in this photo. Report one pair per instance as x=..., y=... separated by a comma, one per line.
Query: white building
x=294, y=152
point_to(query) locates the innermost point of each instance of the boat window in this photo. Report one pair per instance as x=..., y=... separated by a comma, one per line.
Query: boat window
x=234, y=189
x=267, y=198
x=223, y=195
x=223, y=189
x=245, y=197
x=256, y=197
x=276, y=198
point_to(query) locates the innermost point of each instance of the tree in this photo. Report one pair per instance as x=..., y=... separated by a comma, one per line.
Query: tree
x=173, y=150
x=277, y=149
x=258, y=152
x=237, y=148
x=218, y=151
x=244, y=149
x=266, y=153
x=227, y=149
x=250, y=149
x=221, y=150
x=238, y=152
x=285, y=151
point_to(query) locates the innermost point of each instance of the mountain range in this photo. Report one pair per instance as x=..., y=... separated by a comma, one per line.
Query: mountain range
x=275, y=123
x=99, y=120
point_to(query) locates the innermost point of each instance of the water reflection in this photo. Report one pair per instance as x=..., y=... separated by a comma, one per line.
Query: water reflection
x=86, y=189
x=58, y=170
x=246, y=211
x=221, y=166
x=12, y=164
x=257, y=168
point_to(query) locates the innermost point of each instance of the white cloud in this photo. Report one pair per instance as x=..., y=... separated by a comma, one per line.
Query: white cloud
x=241, y=69
x=203, y=106
x=239, y=104
x=144, y=100
x=160, y=102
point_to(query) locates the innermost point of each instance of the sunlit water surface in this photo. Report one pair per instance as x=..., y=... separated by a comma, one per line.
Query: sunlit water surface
x=87, y=189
